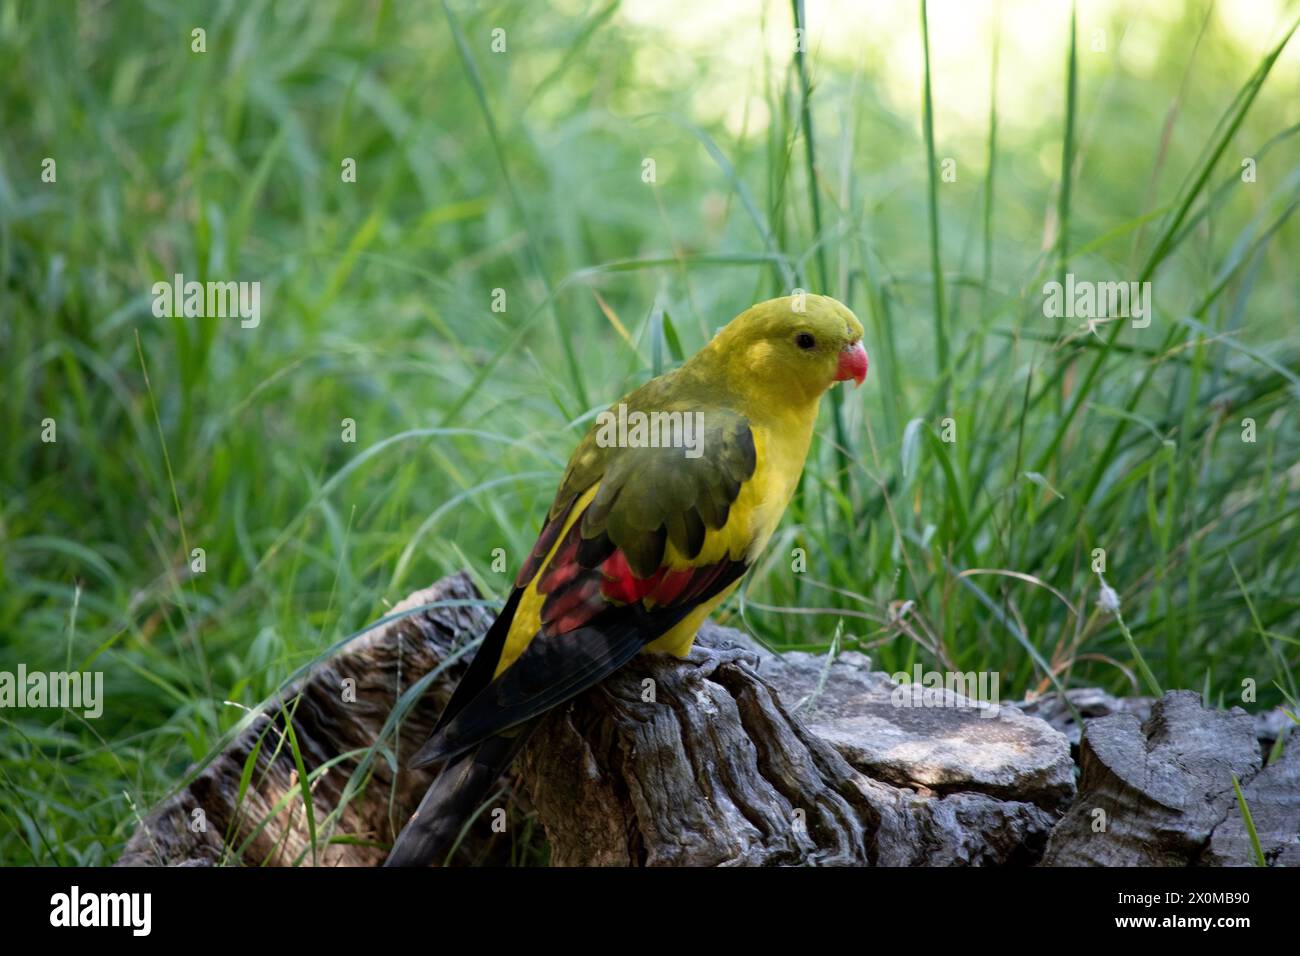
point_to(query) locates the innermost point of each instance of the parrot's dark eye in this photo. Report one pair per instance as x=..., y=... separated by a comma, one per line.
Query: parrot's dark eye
x=805, y=340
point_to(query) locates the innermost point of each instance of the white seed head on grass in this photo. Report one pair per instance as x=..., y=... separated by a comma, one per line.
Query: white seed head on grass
x=1108, y=600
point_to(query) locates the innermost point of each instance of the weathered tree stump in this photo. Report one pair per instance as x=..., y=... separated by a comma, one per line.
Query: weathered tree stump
x=1159, y=792
x=735, y=756
x=718, y=765
x=708, y=762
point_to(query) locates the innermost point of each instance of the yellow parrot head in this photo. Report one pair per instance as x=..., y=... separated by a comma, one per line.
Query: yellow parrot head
x=795, y=347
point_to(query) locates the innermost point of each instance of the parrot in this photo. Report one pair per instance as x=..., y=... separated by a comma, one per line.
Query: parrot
x=641, y=543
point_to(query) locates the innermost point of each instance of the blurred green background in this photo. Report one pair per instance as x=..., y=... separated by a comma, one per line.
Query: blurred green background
x=1113, y=152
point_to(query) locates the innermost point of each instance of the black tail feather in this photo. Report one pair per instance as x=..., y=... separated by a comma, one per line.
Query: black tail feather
x=431, y=834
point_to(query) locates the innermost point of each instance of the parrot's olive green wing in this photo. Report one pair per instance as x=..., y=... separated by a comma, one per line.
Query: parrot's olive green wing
x=616, y=551
x=684, y=491
x=608, y=590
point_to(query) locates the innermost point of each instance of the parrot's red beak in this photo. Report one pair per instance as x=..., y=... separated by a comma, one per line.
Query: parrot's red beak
x=853, y=364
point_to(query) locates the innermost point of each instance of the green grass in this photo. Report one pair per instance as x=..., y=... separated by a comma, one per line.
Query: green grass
x=522, y=171
x=1256, y=850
